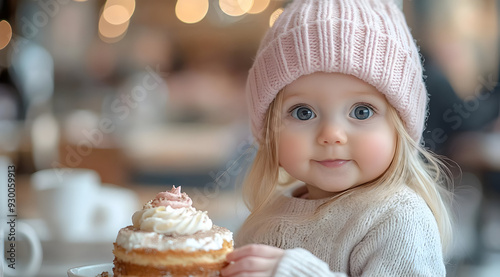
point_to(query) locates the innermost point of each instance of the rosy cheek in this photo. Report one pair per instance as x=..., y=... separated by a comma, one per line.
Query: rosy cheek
x=377, y=153
x=289, y=149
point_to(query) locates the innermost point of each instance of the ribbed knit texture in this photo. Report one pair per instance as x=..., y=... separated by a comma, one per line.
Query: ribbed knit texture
x=365, y=38
x=357, y=236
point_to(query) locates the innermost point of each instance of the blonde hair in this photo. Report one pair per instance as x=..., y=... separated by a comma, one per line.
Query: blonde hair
x=412, y=165
x=262, y=179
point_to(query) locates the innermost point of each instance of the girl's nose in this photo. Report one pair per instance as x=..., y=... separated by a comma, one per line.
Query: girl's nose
x=332, y=134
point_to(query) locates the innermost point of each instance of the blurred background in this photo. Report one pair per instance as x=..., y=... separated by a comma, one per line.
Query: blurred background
x=149, y=94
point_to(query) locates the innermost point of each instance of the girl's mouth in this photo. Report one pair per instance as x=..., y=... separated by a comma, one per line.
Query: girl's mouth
x=333, y=163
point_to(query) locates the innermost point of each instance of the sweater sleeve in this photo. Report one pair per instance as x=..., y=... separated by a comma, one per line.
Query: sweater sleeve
x=302, y=263
x=405, y=242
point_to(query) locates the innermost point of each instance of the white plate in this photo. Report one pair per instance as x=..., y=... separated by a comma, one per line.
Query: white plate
x=91, y=270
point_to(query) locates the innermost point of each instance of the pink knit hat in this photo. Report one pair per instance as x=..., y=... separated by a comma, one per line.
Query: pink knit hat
x=368, y=39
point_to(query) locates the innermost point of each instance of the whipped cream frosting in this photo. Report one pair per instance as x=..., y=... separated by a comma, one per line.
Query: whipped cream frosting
x=171, y=213
x=169, y=221
x=130, y=239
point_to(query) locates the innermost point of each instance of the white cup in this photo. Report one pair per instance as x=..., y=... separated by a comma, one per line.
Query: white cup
x=22, y=256
x=114, y=209
x=66, y=198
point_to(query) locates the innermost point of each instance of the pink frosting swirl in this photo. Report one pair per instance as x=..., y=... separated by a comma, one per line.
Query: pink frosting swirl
x=173, y=198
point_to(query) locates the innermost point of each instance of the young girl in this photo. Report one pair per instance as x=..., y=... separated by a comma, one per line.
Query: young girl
x=337, y=105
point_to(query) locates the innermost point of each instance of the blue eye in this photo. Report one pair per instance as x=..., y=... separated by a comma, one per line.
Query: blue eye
x=303, y=113
x=361, y=112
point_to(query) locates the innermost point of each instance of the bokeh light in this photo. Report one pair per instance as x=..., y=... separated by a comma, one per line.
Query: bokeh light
x=5, y=33
x=110, y=32
x=259, y=6
x=235, y=7
x=274, y=16
x=191, y=11
x=116, y=14
x=127, y=4
x=115, y=19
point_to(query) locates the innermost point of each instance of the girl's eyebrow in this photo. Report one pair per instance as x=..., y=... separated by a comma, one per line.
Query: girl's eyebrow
x=291, y=96
x=294, y=96
x=294, y=100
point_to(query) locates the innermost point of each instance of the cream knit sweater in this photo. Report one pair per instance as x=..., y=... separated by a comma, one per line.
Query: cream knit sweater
x=352, y=236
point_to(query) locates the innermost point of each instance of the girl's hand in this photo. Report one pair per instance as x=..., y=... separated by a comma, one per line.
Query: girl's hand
x=253, y=260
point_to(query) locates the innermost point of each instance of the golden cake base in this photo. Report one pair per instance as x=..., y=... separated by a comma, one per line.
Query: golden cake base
x=171, y=263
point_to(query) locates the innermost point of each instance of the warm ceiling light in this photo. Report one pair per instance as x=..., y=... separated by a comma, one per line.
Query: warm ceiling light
x=235, y=7
x=110, y=32
x=5, y=33
x=275, y=16
x=259, y=6
x=191, y=11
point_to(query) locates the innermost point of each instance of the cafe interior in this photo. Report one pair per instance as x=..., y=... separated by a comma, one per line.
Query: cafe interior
x=137, y=96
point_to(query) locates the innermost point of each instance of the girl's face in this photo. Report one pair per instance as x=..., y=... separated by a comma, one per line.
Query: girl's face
x=336, y=133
